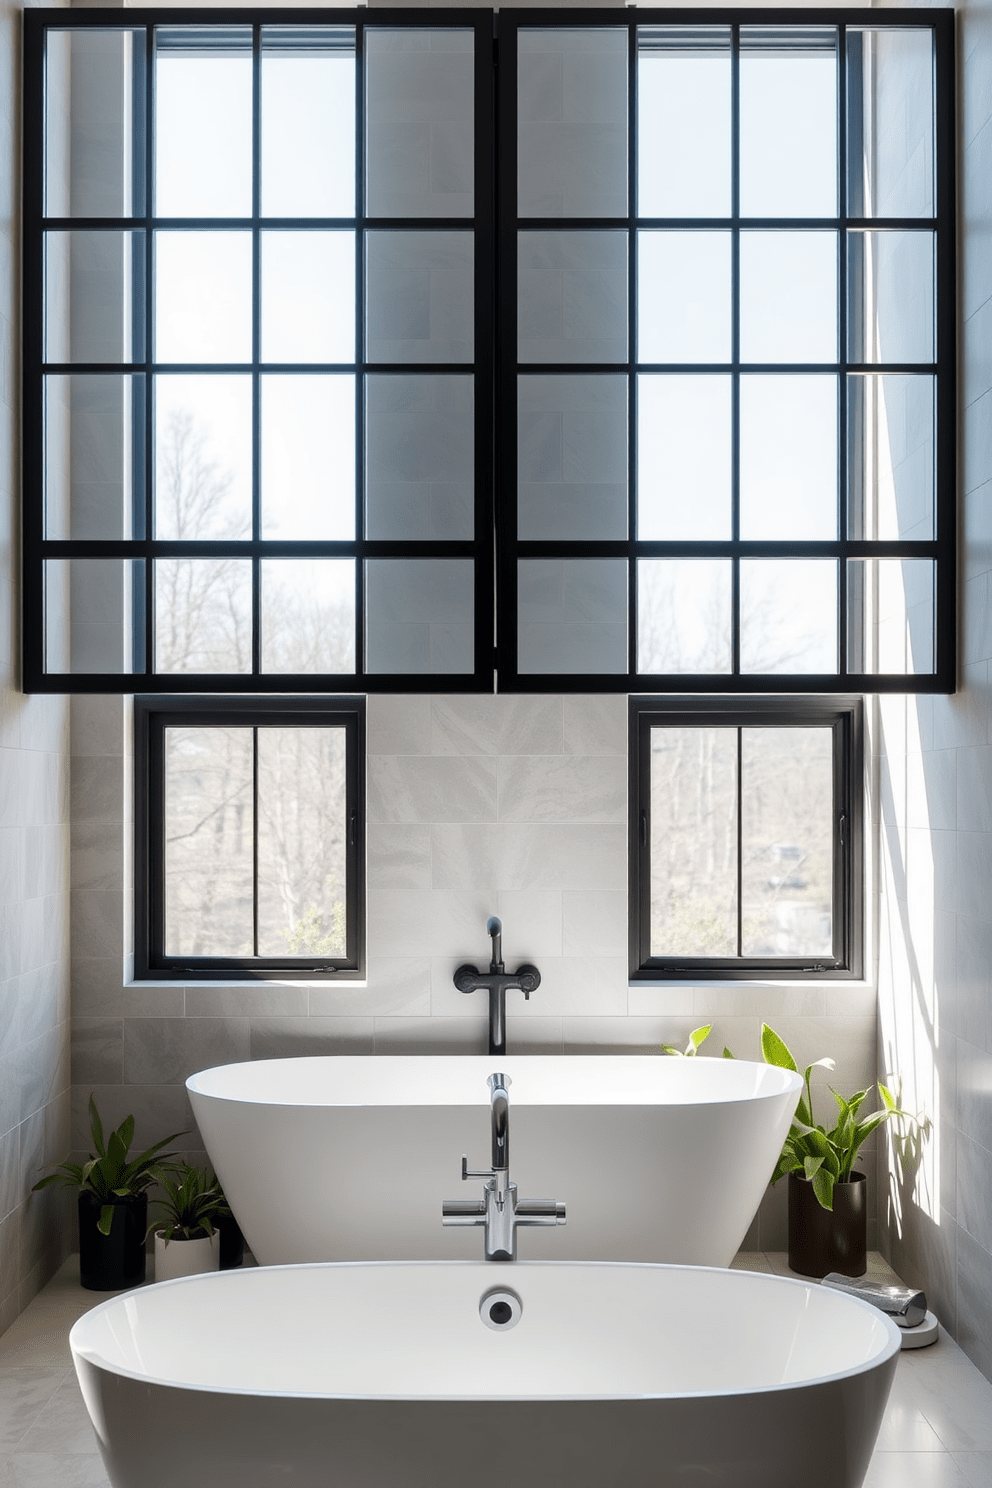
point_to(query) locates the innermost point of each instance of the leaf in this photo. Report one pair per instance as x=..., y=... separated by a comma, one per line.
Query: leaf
x=774, y=1050
x=699, y=1036
x=811, y=1166
x=96, y=1127
x=726, y=1053
x=671, y=1049
x=823, y=1187
x=106, y=1219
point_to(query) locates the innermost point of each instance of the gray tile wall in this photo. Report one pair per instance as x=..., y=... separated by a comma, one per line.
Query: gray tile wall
x=34, y=824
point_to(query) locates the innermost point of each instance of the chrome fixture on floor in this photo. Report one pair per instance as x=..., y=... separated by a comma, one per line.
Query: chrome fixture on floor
x=500, y=1211
x=497, y=981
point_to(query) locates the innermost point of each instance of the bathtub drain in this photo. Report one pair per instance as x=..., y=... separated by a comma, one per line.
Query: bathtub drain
x=500, y=1309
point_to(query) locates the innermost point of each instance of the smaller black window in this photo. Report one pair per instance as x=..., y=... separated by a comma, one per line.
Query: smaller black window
x=248, y=837
x=745, y=838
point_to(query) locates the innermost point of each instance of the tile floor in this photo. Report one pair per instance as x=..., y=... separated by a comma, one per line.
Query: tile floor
x=937, y=1431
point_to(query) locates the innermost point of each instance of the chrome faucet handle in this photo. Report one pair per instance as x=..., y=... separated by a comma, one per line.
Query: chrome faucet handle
x=468, y=1172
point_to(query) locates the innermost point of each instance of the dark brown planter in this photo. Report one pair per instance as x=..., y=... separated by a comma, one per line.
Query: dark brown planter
x=823, y=1240
x=232, y=1242
x=110, y=1263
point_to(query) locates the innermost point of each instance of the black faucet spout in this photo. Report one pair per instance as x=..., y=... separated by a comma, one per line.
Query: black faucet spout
x=497, y=982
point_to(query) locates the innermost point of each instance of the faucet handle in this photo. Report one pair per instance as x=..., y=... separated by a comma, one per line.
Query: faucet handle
x=468, y=1172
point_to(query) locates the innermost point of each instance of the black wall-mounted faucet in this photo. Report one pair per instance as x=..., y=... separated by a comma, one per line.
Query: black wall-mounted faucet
x=497, y=981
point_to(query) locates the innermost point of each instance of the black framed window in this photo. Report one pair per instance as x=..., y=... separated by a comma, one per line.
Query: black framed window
x=745, y=838
x=306, y=315
x=249, y=837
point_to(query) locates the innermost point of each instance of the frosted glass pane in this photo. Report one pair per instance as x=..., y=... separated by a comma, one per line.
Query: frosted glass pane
x=209, y=842
x=90, y=465
x=308, y=457
x=92, y=313
x=203, y=129
x=420, y=123
x=891, y=172
x=789, y=457
x=683, y=615
x=788, y=297
x=892, y=282
x=684, y=474
x=89, y=112
x=788, y=124
x=788, y=615
x=421, y=296
x=419, y=457
x=571, y=457
x=203, y=297
x=202, y=615
x=202, y=457
x=308, y=122
x=572, y=297
x=891, y=456
x=572, y=123
x=93, y=609
x=683, y=122
x=683, y=297
x=308, y=615
x=572, y=615
x=419, y=615
x=891, y=616
x=308, y=297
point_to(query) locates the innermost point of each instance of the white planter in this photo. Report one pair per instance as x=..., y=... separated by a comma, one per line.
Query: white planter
x=186, y=1257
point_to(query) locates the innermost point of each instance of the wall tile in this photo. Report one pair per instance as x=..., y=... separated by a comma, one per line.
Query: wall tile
x=551, y=788
x=398, y=855
x=398, y=725
x=594, y=725
x=97, y=1051
x=286, y=1038
x=398, y=986
x=496, y=725
x=594, y=923
x=265, y=1000
x=165, y=1051
x=463, y=855
x=410, y=789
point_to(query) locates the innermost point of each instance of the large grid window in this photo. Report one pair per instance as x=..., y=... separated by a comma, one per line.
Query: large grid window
x=745, y=838
x=248, y=837
x=309, y=323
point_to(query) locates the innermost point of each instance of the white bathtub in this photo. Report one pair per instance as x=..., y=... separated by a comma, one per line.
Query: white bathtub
x=383, y=1376
x=349, y=1158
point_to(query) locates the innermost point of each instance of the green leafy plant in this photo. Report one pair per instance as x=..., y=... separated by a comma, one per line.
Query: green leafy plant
x=108, y=1174
x=824, y=1157
x=192, y=1202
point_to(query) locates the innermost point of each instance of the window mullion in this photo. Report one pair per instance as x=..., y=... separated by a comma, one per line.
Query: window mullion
x=740, y=842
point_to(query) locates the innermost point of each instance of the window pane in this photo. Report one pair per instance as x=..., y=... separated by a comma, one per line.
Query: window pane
x=891, y=454
x=419, y=615
x=202, y=615
x=789, y=458
x=420, y=457
x=308, y=457
x=202, y=457
x=572, y=123
x=571, y=457
x=308, y=615
x=892, y=296
x=308, y=297
x=302, y=836
x=693, y=842
x=572, y=297
x=89, y=77
x=891, y=616
x=203, y=297
x=308, y=121
x=788, y=82
x=93, y=615
x=787, y=842
x=891, y=85
x=788, y=615
x=683, y=615
x=94, y=476
x=788, y=297
x=203, y=130
x=208, y=842
x=420, y=296
x=683, y=121
x=572, y=615
x=683, y=458
x=420, y=123
x=683, y=297
x=94, y=311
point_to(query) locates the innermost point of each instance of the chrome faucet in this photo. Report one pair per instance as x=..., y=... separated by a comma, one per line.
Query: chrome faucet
x=500, y=1211
x=497, y=981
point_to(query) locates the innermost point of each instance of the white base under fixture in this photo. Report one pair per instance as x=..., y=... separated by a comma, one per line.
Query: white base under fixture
x=923, y=1334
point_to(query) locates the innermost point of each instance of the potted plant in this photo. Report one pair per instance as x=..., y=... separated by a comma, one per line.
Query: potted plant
x=828, y=1212
x=189, y=1240
x=113, y=1203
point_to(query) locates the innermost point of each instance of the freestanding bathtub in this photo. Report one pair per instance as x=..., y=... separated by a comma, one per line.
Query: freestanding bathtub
x=385, y=1376
x=349, y=1158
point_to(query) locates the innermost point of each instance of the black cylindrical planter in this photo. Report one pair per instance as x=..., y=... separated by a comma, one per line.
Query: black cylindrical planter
x=109, y=1263
x=232, y=1242
x=823, y=1240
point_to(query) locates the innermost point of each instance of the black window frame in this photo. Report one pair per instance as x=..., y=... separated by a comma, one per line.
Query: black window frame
x=845, y=717
x=152, y=716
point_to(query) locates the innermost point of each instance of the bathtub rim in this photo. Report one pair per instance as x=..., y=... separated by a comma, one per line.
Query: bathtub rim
x=95, y=1360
